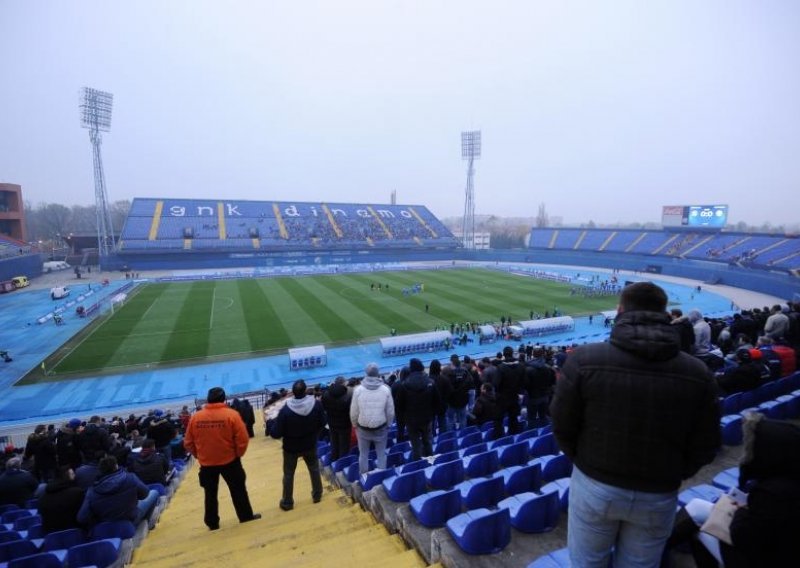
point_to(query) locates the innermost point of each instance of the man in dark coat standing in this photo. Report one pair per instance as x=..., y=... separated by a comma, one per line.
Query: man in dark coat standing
x=299, y=423
x=510, y=380
x=336, y=402
x=636, y=415
x=418, y=402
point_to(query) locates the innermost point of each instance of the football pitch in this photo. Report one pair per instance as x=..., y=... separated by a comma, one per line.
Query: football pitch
x=185, y=322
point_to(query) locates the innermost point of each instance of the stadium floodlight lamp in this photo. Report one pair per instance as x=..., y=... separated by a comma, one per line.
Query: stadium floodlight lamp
x=471, y=145
x=96, y=109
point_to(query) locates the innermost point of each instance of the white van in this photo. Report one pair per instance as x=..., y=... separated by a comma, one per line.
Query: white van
x=59, y=292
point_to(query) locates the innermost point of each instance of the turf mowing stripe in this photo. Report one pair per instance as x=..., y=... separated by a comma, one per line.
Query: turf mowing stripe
x=189, y=338
x=264, y=327
x=336, y=326
x=97, y=350
x=301, y=327
x=228, y=330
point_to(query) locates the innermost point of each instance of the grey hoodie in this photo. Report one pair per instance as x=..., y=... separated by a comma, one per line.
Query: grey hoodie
x=302, y=406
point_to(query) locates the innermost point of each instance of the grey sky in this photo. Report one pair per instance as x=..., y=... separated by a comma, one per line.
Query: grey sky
x=603, y=110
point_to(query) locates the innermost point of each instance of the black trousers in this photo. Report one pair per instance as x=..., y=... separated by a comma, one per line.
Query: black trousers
x=289, y=467
x=340, y=443
x=419, y=433
x=234, y=475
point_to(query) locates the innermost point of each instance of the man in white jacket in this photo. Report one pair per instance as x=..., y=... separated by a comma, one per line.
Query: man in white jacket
x=372, y=412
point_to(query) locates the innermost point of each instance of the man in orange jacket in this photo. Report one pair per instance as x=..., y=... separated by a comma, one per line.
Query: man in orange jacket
x=218, y=438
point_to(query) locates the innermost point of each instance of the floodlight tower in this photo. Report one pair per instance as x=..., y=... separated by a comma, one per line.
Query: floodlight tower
x=470, y=151
x=96, y=117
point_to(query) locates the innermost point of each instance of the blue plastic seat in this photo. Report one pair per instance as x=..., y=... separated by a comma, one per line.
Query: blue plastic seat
x=49, y=559
x=481, y=492
x=562, y=486
x=10, y=516
x=351, y=472
x=6, y=508
x=445, y=446
x=473, y=429
x=16, y=549
x=773, y=409
x=481, y=531
x=504, y=441
x=9, y=535
x=435, y=508
x=514, y=454
x=395, y=460
x=727, y=479
x=703, y=491
x=375, y=477
x=445, y=475
x=32, y=504
x=343, y=462
x=100, y=553
x=470, y=440
x=159, y=488
x=447, y=457
x=522, y=478
x=414, y=466
x=532, y=512
x=62, y=540
x=481, y=465
x=451, y=435
x=24, y=523
x=404, y=487
x=527, y=435
x=474, y=449
x=486, y=427
x=399, y=447
x=731, y=427
x=732, y=404
x=556, y=559
x=113, y=529
x=543, y=445
x=555, y=467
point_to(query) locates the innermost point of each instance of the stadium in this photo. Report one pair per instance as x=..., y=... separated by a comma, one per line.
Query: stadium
x=199, y=293
x=571, y=341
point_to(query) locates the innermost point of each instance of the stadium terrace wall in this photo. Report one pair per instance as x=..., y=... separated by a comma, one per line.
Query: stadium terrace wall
x=778, y=284
x=29, y=265
x=207, y=261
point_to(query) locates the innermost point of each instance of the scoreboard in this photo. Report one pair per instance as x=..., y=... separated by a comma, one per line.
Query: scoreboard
x=695, y=217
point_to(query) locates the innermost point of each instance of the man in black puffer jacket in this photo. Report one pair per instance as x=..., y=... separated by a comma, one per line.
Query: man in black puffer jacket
x=336, y=402
x=418, y=403
x=299, y=423
x=636, y=416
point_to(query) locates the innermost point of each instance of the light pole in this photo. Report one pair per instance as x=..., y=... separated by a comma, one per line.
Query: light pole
x=470, y=151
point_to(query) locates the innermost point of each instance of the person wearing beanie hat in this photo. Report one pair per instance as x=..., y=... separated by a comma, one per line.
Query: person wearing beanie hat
x=16, y=484
x=218, y=438
x=745, y=376
x=299, y=423
x=418, y=402
x=371, y=413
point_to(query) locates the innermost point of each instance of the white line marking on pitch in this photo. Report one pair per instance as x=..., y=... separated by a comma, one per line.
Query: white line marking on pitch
x=211, y=317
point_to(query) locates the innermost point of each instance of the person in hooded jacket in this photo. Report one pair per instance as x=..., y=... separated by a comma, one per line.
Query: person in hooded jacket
x=41, y=446
x=636, y=415
x=93, y=439
x=418, y=402
x=336, y=403
x=371, y=413
x=744, y=376
x=299, y=423
x=117, y=495
x=486, y=408
x=149, y=465
x=60, y=502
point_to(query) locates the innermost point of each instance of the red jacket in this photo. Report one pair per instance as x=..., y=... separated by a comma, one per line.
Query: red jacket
x=216, y=435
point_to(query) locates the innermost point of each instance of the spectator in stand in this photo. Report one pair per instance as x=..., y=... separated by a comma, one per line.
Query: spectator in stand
x=459, y=383
x=245, y=410
x=184, y=417
x=371, y=413
x=149, y=465
x=162, y=431
x=486, y=408
x=746, y=375
x=116, y=496
x=88, y=472
x=540, y=379
x=685, y=327
x=418, y=402
x=60, y=502
x=394, y=387
x=636, y=416
x=508, y=388
x=336, y=403
x=218, y=438
x=702, y=334
x=94, y=438
x=777, y=325
x=66, y=444
x=299, y=423
x=16, y=484
x=442, y=384
x=41, y=448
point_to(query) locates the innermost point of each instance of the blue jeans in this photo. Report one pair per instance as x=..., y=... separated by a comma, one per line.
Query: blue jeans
x=145, y=506
x=602, y=518
x=366, y=438
x=456, y=418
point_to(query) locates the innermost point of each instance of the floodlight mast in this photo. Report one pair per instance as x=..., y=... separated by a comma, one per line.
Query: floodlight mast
x=470, y=151
x=96, y=117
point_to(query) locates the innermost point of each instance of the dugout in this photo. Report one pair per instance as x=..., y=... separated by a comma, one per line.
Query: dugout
x=307, y=357
x=414, y=343
x=547, y=326
x=487, y=333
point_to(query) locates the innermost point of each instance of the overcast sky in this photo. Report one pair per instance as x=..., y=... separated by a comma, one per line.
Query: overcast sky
x=603, y=110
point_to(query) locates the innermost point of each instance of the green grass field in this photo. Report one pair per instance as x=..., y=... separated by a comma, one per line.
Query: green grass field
x=190, y=321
